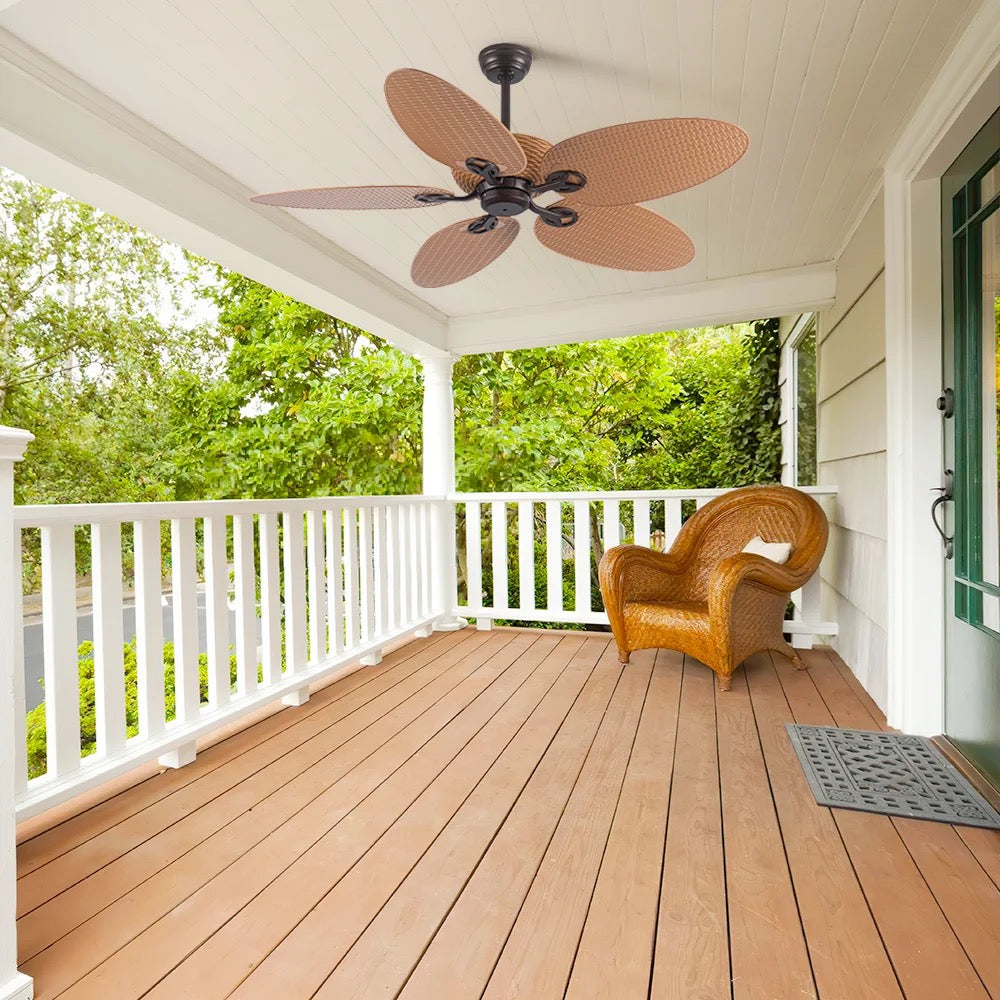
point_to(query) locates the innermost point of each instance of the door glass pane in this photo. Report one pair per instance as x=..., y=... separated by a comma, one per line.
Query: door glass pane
x=990, y=415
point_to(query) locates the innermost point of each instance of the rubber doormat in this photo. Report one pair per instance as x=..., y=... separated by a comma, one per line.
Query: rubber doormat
x=887, y=773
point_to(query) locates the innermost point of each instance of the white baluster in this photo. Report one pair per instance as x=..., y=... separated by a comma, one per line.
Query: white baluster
x=217, y=610
x=474, y=555
x=270, y=598
x=12, y=624
x=365, y=559
x=526, y=554
x=187, y=696
x=317, y=585
x=371, y=533
x=808, y=605
x=498, y=525
x=109, y=639
x=413, y=534
x=581, y=554
x=397, y=579
x=611, y=516
x=62, y=676
x=641, y=521
x=352, y=599
x=149, y=628
x=553, y=555
x=381, y=564
x=335, y=579
x=671, y=522
x=245, y=579
x=295, y=593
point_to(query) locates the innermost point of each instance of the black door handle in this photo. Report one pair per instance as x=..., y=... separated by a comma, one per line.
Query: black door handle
x=947, y=493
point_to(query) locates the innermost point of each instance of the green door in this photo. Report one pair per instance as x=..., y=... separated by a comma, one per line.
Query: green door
x=971, y=273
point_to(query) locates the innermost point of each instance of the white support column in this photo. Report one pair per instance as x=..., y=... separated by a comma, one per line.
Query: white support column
x=13, y=985
x=439, y=480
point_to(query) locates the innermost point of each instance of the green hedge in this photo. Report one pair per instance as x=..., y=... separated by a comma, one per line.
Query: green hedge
x=88, y=712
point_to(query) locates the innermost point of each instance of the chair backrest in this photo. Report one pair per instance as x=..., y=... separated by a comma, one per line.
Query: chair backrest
x=777, y=513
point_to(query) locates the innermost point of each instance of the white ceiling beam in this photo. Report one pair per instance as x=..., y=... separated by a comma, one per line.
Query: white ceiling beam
x=58, y=131
x=708, y=303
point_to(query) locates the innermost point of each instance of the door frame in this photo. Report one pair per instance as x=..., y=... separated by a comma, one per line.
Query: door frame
x=959, y=102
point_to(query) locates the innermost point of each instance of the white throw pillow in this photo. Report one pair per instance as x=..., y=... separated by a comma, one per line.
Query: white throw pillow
x=775, y=551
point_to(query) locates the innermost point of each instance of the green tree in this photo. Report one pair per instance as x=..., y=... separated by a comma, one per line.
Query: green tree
x=93, y=334
x=304, y=405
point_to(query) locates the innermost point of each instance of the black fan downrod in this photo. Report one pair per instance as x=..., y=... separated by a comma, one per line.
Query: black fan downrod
x=507, y=63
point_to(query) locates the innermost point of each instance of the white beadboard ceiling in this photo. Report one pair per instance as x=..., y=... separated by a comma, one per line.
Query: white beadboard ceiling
x=288, y=93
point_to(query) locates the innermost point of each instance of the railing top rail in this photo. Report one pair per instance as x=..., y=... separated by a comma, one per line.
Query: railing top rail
x=620, y=494
x=40, y=515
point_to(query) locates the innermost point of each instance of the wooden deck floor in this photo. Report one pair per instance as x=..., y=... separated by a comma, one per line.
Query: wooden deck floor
x=514, y=814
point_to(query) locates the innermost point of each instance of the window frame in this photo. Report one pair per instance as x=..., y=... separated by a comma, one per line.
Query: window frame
x=805, y=325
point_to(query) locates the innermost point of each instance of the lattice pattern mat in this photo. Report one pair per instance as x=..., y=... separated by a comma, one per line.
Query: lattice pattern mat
x=887, y=773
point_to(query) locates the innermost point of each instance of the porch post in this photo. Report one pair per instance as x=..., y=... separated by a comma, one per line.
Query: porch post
x=439, y=480
x=13, y=985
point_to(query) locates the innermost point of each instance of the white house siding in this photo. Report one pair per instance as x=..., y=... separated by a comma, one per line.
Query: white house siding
x=851, y=452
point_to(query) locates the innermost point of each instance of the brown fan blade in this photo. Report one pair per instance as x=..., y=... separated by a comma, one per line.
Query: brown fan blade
x=376, y=196
x=639, y=161
x=447, y=124
x=627, y=237
x=453, y=253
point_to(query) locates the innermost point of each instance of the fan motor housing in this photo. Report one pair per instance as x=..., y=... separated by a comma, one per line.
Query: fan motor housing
x=511, y=196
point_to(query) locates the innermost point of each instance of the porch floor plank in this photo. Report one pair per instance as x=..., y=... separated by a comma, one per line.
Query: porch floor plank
x=928, y=958
x=691, y=958
x=763, y=917
x=847, y=955
x=615, y=955
x=513, y=814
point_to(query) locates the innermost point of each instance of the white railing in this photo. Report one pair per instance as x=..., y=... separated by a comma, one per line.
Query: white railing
x=292, y=591
x=548, y=572
x=268, y=596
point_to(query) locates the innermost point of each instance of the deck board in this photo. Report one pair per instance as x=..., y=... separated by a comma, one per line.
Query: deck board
x=847, y=954
x=691, y=957
x=763, y=917
x=928, y=959
x=615, y=955
x=167, y=867
x=513, y=814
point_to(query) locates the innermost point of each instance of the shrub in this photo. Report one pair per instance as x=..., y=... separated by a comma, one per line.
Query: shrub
x=36, y=733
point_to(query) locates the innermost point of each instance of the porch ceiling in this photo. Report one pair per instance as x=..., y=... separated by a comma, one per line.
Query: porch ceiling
x=231, y=97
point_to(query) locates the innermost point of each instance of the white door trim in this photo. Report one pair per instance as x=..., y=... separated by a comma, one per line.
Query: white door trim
x=959, y=102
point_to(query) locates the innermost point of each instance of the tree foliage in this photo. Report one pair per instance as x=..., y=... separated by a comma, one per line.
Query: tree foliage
x=132, y=398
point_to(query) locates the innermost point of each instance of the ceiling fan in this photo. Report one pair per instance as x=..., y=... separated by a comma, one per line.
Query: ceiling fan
x=601, y=174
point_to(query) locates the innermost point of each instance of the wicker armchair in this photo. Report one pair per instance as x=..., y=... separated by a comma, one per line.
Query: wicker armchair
x=706, y=597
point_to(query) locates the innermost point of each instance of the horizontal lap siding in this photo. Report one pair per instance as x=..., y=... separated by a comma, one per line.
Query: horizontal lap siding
x=851, y=446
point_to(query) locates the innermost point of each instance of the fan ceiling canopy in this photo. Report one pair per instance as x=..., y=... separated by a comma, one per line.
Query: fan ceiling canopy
x=600, y=176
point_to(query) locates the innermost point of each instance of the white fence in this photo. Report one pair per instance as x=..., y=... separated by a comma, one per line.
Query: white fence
x=566, y=533
x=314, y=585
x=288, y=592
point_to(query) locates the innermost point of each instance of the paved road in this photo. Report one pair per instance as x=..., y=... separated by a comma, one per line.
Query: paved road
x=34, y=667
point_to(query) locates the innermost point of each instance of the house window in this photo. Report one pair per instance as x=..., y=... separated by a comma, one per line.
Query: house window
x=803, y=355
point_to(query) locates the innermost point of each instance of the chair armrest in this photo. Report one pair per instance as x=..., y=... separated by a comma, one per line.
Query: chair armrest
x=635, y=573
x=733, y=570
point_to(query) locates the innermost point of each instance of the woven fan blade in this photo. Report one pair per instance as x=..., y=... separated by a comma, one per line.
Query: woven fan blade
x=453, y=253
x=639, y=161
x=447, y=124
x=626, y=237
x=376, y=196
